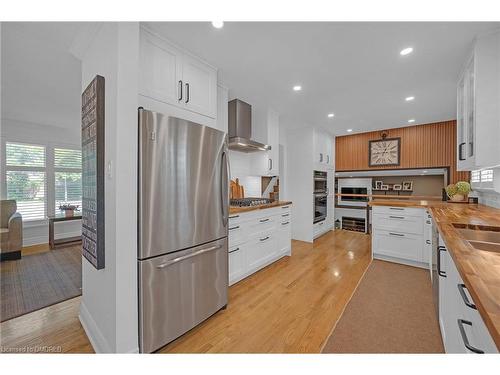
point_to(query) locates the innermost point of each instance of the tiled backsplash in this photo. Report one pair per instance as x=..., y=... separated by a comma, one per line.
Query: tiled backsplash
x=241, y=169
x=491, y=199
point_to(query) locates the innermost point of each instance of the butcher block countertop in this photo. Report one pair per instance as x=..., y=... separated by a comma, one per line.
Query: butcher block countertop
x=238, y=210
x=480, y=270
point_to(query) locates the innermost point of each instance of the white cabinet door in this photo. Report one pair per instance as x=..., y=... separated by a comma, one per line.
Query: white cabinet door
x=200, y=86
x=160, y=70
x=284, y=237
x=273, y=139
x=237, y=262
x=398, y=245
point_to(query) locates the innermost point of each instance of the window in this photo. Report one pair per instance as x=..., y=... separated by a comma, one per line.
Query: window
x=25, y=178
x=41, y=178
x=68, y=177
x=482, y=179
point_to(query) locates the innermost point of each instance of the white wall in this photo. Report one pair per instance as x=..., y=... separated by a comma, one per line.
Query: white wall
x=241, y=167
x=108, y=309
x=37, y=232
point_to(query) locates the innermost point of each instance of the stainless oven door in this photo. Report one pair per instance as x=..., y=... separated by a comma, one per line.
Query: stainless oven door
x=320, y=207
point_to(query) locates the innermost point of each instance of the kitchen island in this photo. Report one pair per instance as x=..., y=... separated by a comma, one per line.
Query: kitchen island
x=479, y=270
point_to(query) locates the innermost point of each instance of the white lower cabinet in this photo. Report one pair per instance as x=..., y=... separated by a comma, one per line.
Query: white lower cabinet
x=256, y=239
x=462, y=328
x=398, y=235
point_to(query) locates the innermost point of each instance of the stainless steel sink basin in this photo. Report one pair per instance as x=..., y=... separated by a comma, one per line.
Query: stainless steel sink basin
x=480, y=237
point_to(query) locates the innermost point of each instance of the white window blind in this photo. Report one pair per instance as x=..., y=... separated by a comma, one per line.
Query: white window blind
x=68, y=177
x=25, y=178
x=475, y=176
x=487, y=175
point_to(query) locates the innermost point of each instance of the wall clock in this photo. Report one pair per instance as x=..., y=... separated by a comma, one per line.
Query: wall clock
x=384, y=152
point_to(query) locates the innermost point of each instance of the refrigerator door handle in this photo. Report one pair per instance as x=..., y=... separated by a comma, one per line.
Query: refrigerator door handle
x=179, y=259
x=225, y=187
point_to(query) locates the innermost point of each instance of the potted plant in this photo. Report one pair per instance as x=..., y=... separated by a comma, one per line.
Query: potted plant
x=458, y=192
x=69, y=209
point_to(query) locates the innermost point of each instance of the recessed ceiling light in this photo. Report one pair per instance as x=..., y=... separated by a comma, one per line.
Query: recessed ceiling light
x=331, y=115
x=349, y=130
x=297, y=88
x=410, y=98
x=406, y=51
x=218, y=24
x=411, y=120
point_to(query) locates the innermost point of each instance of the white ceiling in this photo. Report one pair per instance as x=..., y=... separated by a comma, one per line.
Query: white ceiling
x=41, y=80
x=352, y=69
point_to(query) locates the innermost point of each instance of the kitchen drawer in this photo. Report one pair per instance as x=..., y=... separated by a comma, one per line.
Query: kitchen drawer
x=320, y=228
x=235, y=219
x=237, y=233
x=400, y=223
x=261, y=250
x=262, y=224
x=398, y=211
x=397, y=245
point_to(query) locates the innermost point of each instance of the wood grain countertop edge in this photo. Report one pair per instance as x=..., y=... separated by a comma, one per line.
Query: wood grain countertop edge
x=239, y=210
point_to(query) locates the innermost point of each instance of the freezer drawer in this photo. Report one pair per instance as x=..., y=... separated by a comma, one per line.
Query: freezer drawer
x=177, y=291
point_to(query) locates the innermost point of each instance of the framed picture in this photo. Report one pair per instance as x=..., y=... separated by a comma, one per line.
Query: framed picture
x=385, y=151
x=384, y=187
x=396, y=187
x=378, y=185
x=407, y=185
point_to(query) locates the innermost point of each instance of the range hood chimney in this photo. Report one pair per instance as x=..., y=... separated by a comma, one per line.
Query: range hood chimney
x=240, y=128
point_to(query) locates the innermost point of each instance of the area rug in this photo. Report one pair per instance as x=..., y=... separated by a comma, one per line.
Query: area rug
x=39, y=280
x=391, y=311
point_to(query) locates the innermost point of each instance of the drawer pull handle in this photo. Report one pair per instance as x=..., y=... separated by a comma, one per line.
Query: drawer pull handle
x=235, y=250
x=285, y=215
x=285, y=223
x=263, y=220
x=396, y=217
x=236, y=227
x=461, y=290
x=396, y=208
x=396, y=234
x=440, y=273
x=285, y=206
x=428, y=242
x=461, y=323
x=234, y=217
x=264, y=239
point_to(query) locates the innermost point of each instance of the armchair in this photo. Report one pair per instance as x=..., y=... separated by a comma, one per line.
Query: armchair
x=11, y=231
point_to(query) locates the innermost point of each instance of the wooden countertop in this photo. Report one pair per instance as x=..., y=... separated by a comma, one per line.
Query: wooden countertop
x=480, y=270
x=237, y=210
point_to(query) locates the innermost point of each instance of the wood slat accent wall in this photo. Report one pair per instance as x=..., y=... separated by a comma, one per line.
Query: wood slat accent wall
x=422, y=146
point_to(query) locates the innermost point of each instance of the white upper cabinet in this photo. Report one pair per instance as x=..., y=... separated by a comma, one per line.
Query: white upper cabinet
x=222, y=109
x=171, y=76
x=478, y=113
x=161, y=69
x=323, y=150
x=267, y=131
x=200, y=86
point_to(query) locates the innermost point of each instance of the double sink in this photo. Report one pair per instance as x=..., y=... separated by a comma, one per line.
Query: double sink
x=480, y=237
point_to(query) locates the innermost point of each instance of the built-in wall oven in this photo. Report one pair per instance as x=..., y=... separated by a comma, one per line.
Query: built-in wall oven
x=320, y=196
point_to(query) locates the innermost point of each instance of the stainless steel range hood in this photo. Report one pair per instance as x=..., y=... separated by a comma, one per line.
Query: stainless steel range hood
x=240, y=128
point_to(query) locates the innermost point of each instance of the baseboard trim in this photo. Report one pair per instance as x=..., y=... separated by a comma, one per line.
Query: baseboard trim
x=96, y=338
x=405, y=262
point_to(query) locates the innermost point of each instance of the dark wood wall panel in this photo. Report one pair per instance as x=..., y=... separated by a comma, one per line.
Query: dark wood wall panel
x=422, y=146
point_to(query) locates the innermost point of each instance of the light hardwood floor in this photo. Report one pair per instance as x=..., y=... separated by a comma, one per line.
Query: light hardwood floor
x=290, y=306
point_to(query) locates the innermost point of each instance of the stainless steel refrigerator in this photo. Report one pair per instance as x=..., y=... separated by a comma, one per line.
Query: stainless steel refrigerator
x=182, y=227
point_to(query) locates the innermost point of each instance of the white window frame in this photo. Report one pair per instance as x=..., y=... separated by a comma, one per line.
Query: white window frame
x=483, y=185
x=49, y=169
x=62, y=169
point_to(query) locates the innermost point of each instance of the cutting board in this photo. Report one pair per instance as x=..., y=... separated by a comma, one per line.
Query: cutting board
x=237, y=190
